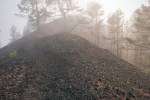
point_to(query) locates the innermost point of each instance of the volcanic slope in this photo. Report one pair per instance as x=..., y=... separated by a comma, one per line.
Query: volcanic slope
x=67, y=67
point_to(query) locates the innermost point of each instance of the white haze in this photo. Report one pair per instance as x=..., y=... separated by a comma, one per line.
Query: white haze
x=9, y=7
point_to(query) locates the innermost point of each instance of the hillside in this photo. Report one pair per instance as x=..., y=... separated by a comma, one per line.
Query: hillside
x=67, y=67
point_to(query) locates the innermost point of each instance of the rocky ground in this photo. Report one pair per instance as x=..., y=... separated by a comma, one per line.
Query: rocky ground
x=67, y=67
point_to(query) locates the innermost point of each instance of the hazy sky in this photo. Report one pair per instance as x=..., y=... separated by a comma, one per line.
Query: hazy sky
x=128, y=6
x=9, y=7
x=7, y=18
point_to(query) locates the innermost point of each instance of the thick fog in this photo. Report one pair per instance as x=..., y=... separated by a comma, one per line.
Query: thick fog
x=8, y=9
x=74, y=49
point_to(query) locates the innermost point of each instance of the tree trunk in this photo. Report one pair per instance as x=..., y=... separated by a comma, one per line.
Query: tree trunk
x=37, y=17
x=63, y=13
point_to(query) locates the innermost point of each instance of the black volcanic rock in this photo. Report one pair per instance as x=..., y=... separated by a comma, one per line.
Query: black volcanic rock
x=67, y=67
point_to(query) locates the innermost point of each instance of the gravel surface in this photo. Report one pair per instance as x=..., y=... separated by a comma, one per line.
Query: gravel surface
x=67, y=67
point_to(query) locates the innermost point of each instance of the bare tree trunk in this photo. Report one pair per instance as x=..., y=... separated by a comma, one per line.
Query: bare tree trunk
x=140, y=56
x=113, y=44
x=127, y=51
x=37, y=16
x=136, y=55
x=65, y=25
x=97, y=37
x=118, y=45
x=0, y=44
x=62, y=11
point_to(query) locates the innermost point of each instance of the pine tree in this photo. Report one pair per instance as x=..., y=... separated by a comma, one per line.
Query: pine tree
x=0, y=44
x=0, y=40
x=115, y=27
x=14, y=34
x=141, y=31
x=142, y=25
x=64, y=8
x=95, y=12
x=35, y=11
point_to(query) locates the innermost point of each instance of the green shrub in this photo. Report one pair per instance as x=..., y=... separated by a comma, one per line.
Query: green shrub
x=13, y=54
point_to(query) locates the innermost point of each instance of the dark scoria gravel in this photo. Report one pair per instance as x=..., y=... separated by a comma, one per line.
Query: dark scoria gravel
x=67, y=67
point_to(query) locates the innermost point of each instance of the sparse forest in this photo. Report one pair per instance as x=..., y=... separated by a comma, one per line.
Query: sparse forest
x=119, y=39
x=76, y=50
x=15, y=35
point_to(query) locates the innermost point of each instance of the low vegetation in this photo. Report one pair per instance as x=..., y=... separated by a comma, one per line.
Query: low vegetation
x=68, y=67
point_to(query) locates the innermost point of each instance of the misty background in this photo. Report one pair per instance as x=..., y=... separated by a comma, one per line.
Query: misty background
x=74, y=49
x=120, y=26
x=8, y=9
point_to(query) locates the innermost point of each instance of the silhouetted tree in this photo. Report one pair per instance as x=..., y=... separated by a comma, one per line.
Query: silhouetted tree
x=0, y=41
x=95, y=12
x=142, y=30
x=64, y=8
x=0, y=44
x=35, y=10
x=115, y=27
x=14, y=34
